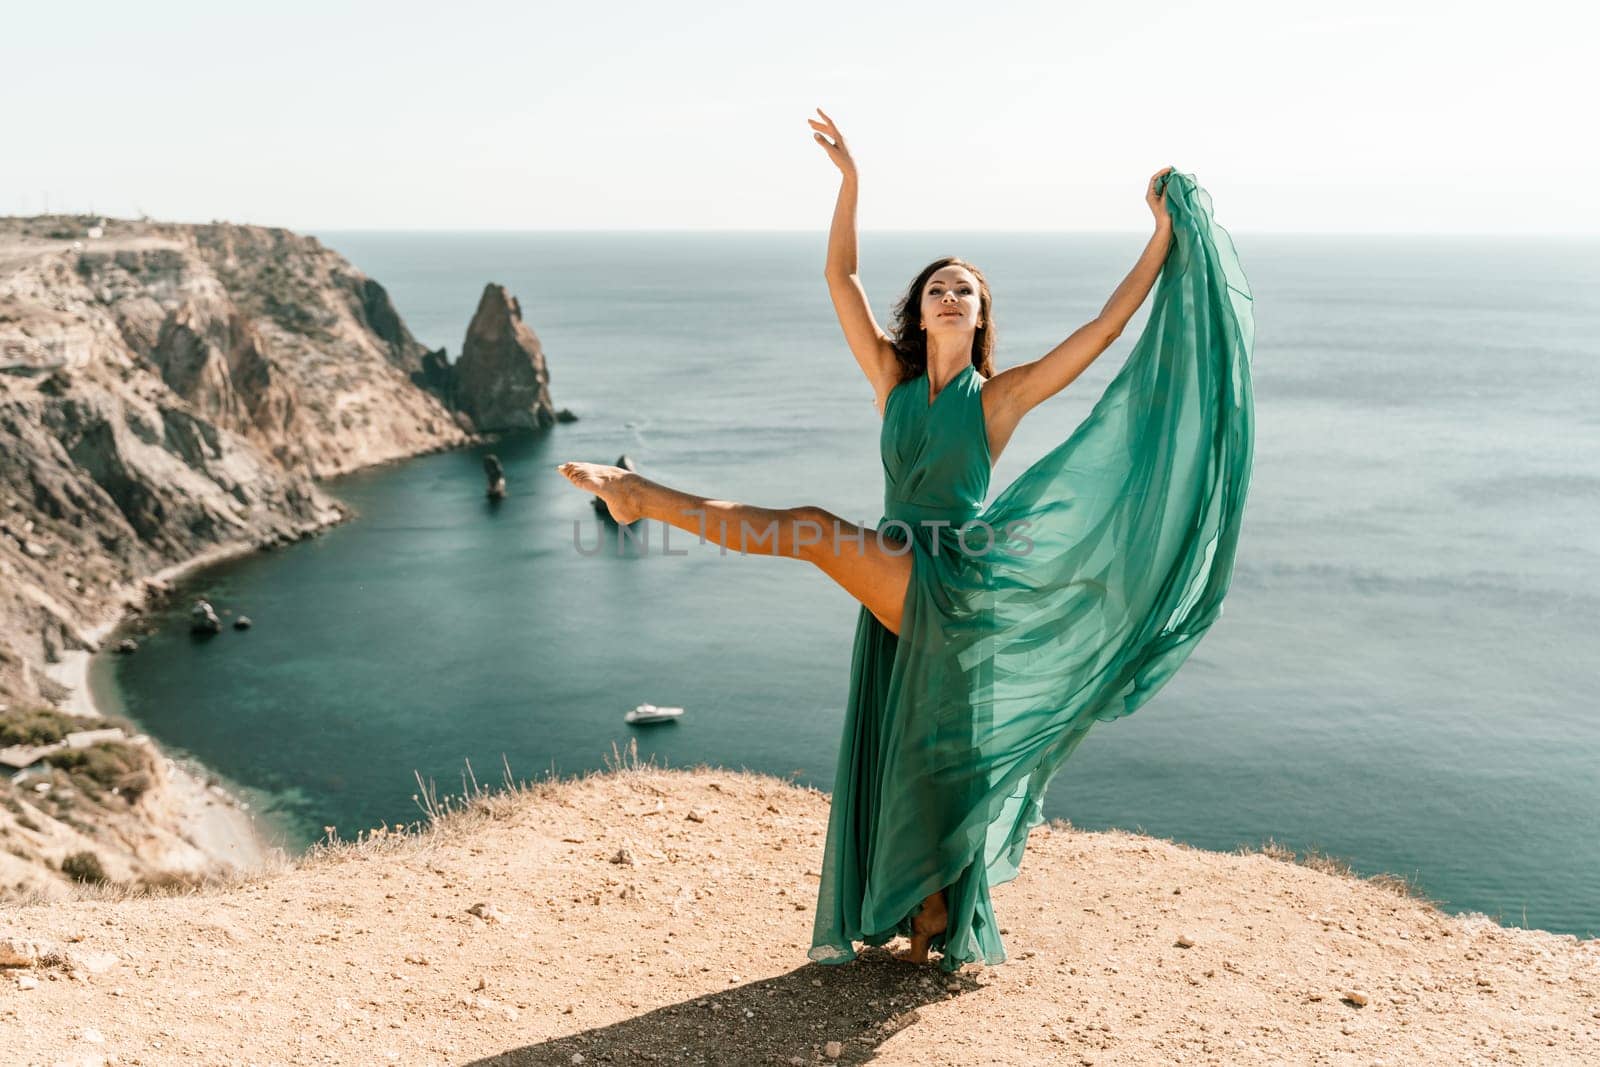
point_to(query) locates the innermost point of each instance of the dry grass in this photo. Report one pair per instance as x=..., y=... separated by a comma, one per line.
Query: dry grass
x=164, y=884
x=1327, y=863
x=444, y=815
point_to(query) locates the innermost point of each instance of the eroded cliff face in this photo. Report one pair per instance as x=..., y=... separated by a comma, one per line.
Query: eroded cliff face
x=168, y=391
x=270, y=335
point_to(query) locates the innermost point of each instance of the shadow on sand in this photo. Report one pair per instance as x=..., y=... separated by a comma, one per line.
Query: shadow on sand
x=788, y=1018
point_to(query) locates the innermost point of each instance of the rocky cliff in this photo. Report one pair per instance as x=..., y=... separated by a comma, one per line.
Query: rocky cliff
x=172, y=391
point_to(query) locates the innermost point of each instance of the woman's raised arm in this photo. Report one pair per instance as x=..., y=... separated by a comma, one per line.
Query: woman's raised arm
x=870, y=345
x=1017, y=390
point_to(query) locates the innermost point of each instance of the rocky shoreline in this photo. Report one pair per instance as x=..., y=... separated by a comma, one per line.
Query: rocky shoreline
x=218, y=823
x=170, y=397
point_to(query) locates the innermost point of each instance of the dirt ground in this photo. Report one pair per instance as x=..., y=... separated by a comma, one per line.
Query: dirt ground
x=647, y=915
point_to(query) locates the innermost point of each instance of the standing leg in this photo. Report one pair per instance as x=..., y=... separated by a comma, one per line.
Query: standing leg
x=851, y=555
x=931, y=920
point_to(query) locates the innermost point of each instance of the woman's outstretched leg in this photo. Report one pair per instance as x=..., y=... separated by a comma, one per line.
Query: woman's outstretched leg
x=851, y=555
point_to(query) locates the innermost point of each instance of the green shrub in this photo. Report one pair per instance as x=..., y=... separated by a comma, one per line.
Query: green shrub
x=84, y=867
x=105, y=766
x=38, y=726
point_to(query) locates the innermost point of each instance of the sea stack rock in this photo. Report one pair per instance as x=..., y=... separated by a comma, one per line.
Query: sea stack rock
x=501, y=381
x=496, y=475
x=203, y=619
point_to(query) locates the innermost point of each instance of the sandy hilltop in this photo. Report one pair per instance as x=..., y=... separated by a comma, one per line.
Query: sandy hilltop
x=644, y=915
x=171, y=395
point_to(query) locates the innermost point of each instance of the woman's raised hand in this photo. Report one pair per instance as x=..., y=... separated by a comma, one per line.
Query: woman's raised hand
x=1158, y=203
x=832, y=142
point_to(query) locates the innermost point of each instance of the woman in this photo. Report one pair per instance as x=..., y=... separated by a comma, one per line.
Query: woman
x=990, y=640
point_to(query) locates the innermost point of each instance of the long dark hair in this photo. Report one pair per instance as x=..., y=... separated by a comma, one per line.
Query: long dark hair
x=910, y=340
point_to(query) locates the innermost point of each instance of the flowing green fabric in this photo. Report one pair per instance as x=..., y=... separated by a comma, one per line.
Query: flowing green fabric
x=1108, y=561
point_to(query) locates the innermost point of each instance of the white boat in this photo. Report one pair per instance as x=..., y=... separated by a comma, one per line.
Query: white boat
x=651, y=713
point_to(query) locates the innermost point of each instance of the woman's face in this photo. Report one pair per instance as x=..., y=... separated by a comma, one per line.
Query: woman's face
x=950, y=301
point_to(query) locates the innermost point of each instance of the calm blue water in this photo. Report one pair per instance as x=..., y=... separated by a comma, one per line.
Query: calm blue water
x=1405, y=675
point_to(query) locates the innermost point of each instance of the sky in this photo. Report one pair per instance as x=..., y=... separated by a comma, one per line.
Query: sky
x=1360, y=117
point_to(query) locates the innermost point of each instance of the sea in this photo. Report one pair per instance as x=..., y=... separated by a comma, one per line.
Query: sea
x=1404, y=677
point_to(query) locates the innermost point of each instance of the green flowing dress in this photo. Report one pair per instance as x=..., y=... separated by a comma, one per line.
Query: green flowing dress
x=1070, y=600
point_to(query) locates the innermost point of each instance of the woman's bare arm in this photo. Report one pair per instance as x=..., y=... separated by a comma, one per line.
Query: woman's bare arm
x=1015, y=391
x=869, y=344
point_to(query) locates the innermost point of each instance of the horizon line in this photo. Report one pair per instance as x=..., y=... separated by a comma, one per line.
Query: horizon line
x=966, y=230
x=822, y=231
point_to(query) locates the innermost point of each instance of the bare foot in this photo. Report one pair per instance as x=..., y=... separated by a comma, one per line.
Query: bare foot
x=931, y=920
x=612, y=484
